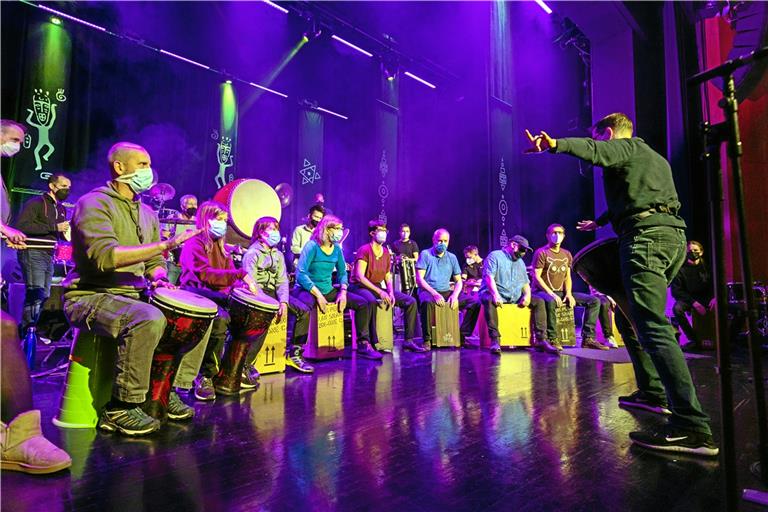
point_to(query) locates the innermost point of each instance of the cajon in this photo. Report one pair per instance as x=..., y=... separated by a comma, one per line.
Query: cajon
x=565, y=326
x=445, y=327
x=703, y=326
x=326, y=334
x=271, y=357
x=514, y=326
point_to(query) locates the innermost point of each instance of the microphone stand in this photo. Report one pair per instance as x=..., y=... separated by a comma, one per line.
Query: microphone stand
x=713, y=136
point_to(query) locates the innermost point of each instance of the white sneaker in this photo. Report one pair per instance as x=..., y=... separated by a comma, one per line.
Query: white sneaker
x=610, y=341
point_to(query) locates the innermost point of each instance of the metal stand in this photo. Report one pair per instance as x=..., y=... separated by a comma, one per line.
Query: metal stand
x=714, y=136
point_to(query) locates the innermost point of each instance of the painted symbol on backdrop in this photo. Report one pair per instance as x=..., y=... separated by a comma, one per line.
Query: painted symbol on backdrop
x=383, y=216
x=309, y=173
x=215, y=135
x=60, y=96
x=503, y=239
x=383, y=190
x=503, y=176
x=45, y=175
x=27, y=141
x=383, y=165
x=503, y=207
x=44, y=113
x=225, y=157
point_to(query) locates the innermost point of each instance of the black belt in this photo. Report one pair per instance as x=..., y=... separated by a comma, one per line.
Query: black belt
x=645, y=214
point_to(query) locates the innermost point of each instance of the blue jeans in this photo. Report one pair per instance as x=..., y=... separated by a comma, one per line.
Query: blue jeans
x=37, y=269
x=650, y=258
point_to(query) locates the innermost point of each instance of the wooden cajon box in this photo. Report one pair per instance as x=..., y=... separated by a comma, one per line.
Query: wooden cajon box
x=271, y=357
x=566, y=326
x=514, y=326
x=445, y=327
x=384, y=338
x=326, y=334
x=703, y=326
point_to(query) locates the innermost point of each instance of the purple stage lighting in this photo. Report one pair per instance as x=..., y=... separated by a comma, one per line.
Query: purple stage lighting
x=544, y=6
x=418, y=79
x=342, y=41
x=268, y=90
x=272, y=4
x=170, y=54
x=321, y=109
x=71, y=18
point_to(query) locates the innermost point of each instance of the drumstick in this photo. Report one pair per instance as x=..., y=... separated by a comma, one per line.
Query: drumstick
x=30, y=239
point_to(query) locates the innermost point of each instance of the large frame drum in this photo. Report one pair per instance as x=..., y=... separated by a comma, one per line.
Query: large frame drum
x=248, y=200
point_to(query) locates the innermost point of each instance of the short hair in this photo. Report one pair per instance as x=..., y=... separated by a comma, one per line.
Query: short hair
x=316, y=208
x=438, y=232
x=617, y=121
x=187, y=196
x=404, y=226
x=6, y=124
x=376, y=224
x=53, y=178
x=261, y=225
x=551, y=227
x=117, y=150
x=470, y=249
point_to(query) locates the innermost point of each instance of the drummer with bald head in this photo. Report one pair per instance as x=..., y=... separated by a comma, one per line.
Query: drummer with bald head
x=117, y=253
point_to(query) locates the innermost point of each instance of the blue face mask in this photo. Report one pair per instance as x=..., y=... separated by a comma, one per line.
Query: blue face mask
x=381, y=236
x=273, y=238
x=336, y=235
x=217, y=228
x=140, y=180
x=441, y=247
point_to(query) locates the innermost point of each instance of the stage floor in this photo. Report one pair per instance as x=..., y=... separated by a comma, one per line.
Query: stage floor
x=450, y=431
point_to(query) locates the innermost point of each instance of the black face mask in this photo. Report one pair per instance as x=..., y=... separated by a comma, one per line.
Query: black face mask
x=313, y=223
x=191, y=211
x=520, y=254
x=693, y=257
x=62, y=194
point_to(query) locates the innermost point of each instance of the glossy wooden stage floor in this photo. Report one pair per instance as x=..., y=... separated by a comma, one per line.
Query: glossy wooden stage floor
x=454, y=430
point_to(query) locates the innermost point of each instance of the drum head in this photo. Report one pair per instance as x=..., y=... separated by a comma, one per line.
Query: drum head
x=598, y=264
x=248, y=200
x=259, y=301
x=184, y=300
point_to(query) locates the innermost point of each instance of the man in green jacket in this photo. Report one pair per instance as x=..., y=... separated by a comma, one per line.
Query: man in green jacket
x=642, y=208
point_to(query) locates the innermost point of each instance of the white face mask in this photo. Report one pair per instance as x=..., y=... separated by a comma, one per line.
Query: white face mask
x=381, y=236
x=556, y=238
x=470, y=261
x=10, y=148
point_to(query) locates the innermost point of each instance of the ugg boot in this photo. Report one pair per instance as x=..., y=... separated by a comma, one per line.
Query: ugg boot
x=25, y=449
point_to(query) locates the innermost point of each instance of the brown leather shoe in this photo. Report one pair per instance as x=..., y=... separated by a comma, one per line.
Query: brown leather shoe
x=591, y=343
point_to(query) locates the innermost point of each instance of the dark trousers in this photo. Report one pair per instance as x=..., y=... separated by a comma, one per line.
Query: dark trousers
x=356, y=303
x=492, y=315
x=605, y=316
x=591, y=303
x=403, y=301
x=468, y=303
x=679, y=310
x=650, y=258
x=37, y=269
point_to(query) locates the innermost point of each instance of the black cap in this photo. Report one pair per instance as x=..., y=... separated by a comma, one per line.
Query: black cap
x=521, y=241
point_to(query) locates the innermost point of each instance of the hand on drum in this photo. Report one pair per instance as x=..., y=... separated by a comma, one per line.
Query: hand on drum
x=341, y=300
x=525, y=301
x=497, y=300
x=453, y=302
x=540, y=143
x=570, y=301
x=251, y=284
x=322, y=303
x=282, y=309
x=586, y=225
x=161, y=283
x=556, y=298
x=388, y=301
x=439, y=300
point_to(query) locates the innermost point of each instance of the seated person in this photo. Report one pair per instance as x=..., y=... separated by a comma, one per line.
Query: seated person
x=207, y=269
x=435, y=269
x=314, y=280
x=266, y=266
x=116, y=249
x=693, y=291
x=505, y=281
x=472, y=272
x=372, y=280
x=303, y=233
x=606, y=316
x=553, y=284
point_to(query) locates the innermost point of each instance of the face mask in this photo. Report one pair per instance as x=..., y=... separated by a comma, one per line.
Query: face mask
x=273, y=238
x=217, y=228
x=140, y=181
x=313, y=223
x=381, y=236
x=191, y=211
x=62, y=194
x=470, y=261
x=556, y=238
x=405, y=236
x=335, y=236
x=693, y=257
x=10, y=148
x=520, y=254
x=441, y=247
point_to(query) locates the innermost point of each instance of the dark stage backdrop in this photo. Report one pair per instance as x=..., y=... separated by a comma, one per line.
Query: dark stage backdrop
x=407, y=153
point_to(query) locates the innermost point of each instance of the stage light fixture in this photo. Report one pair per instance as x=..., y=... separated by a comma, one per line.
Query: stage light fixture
x=190, y=61
x=228, y=82
x=278, y=7
x=544, y=6
x=419, y=79
x=321, y=109
x=354, y=47
x=312, y=29
x=389, y=67
x=68, y=17
x=55, y=20
x=268, y=90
